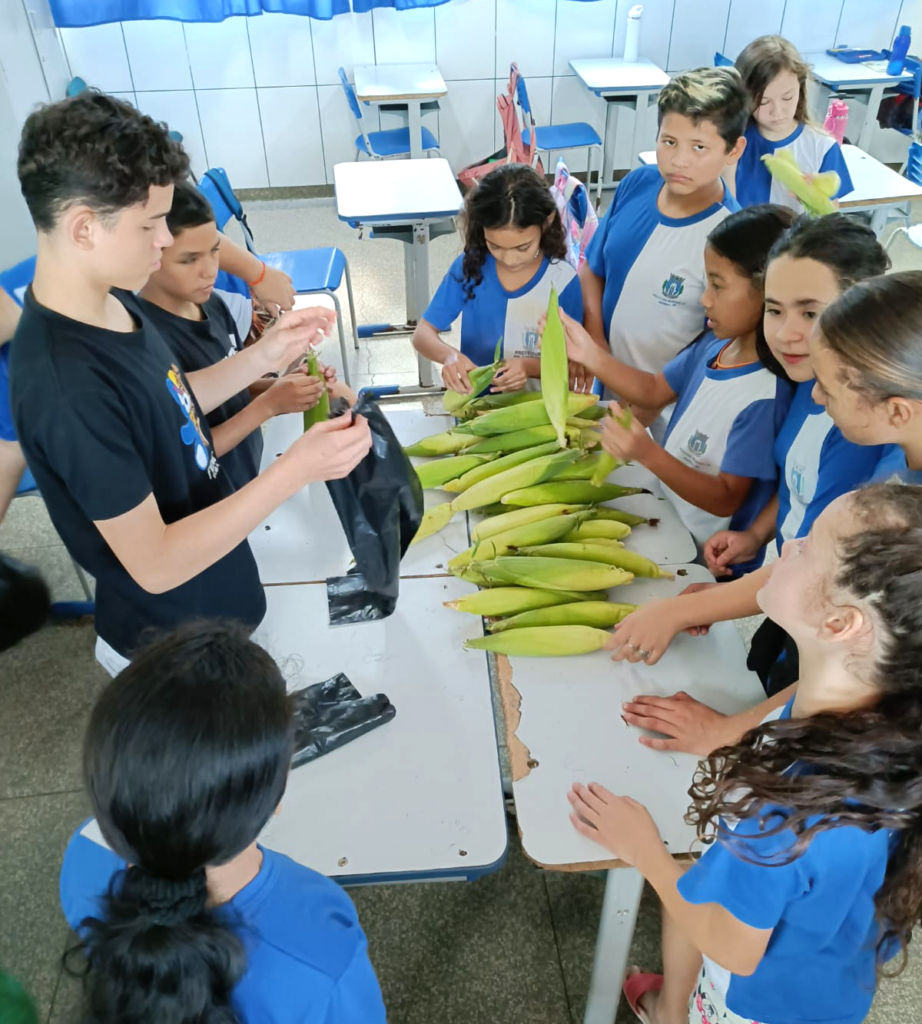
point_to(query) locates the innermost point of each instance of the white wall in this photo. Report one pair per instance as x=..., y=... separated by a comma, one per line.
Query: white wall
x=260, y=96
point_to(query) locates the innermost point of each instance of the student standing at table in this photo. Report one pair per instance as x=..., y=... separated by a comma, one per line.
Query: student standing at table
x=813, y=879
x=644, y=273
x=112, y=429
x=514, y=253
x=182, y=915
x=776, y=76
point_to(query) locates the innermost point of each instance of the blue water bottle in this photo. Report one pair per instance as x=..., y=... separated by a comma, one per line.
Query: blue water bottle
x=899, y=51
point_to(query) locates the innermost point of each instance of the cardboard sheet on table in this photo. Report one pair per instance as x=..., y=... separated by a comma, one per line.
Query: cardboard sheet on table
x=302, y=541
x=422, y=794
x=571, y=726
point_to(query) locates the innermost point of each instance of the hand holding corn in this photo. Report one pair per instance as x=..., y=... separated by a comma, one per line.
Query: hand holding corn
x=629, y=444
x=455, y=371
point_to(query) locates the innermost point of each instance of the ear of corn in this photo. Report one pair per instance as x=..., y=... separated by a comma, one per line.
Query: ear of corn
x=608, y=463
x=582, y=422
x=510, y=520
x=502, y=399
x=544, y=531
x=814, y=195
x=529, y=473
x=507, y=601
x=516, y=440
x=555, y=379
x=601, y=614
x=588, y=439
x=500, y=465
x=496, y=508
x=518, y=417
x=447, y=443
x=586, y=467
x=581, y=492
x=553, y=573
x=594, y=412
x=443, y=471
x=481, y=377
x=615, y=515
x=434, y=519
x=321, y=410
x=609, y=554
x=543, y=642
x=594, y=529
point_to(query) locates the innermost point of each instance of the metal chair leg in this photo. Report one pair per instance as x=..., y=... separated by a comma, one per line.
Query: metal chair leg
x=342, y=337
x=355, y=326
x=84, y=582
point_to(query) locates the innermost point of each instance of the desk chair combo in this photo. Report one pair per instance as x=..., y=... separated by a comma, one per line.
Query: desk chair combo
x=392, y=141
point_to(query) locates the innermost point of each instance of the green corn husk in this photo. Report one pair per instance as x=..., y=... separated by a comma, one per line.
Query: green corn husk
x=601, y=614
x=577, y=492
x=552, y=573
x=480, y=378
x=500, y=465
x=599, y=529
x=544, y=531
x=497, y=508
x=544, y=642
x=321, y=411
x=555, y=377
x=502, y=399
x=615, y=515
x=607, y=554
x=446, y=443
x=594, y=412
x=518, y=417
x=442, y=471
x=508, y=601
x=586, y=467
x=511, y=520
x=529, y=473
x=608, y=463
x=434, y=519
x=515, y=441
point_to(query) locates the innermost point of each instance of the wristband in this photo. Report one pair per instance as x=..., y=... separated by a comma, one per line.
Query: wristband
x=252, y=284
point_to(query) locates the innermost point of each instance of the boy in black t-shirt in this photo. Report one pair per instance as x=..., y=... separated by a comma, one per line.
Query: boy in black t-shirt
x=112, y=429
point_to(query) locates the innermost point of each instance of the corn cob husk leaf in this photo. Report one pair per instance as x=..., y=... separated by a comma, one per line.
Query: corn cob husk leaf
x=446, y=443
x=434, y=519
x=586, y=467
x=502, y=399
x=576, y=492
x=555, y=378
x=507, y=601
x=526, y=475
x=321, y=410
x=544, y=531
x=615, y=515
x=518, y=417
x=608, y=554
x=516, y=440
x=815, y=199
x=543, y=642
x=601, y=614
x=442, y=471
x=480, y=378
x=595, y=529
x=500, y=465
x=511, y=519
x=608, y=463
x=553, y=573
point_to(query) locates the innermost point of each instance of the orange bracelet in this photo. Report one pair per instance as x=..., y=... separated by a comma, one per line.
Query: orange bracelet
x=252, y=284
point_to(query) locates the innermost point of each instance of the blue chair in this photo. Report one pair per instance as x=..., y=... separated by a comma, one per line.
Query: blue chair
x=14, y=282
x=720, y=61
x=379, y=145
x=312, y=271
x=555, y=137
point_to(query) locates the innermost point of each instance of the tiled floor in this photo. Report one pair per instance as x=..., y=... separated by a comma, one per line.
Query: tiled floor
x=513, y=947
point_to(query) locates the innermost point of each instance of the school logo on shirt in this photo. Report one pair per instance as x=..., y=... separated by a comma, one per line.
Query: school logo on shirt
x=530, y=342
x=698, y=443
x=797, y=480
x=191, y=431
x=673, y=286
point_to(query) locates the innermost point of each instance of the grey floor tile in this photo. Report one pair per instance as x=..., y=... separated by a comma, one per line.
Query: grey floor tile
x=462, y=952
x=27, y=525
x=899, y=1000
x=33, y=834
x=57, y=569
x=50, y=681
x=68, y=1005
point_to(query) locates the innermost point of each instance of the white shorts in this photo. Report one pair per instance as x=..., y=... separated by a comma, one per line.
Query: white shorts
x=707, y=1005
x=109, y=658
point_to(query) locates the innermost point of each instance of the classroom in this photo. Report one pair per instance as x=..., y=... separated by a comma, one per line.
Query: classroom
x=460, y=511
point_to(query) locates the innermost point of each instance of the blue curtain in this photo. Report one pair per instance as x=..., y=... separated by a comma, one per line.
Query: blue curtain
x=401, y=5
x=79, y=13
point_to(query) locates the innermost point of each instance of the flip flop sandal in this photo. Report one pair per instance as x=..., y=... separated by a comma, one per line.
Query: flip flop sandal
x=636, y=986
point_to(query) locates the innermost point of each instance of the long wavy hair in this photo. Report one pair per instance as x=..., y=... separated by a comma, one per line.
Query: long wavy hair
x=514, y=195
x=185, y=760
x=763, y=60
x=861, y=768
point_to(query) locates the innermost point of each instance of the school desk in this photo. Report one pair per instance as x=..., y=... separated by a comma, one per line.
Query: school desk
x=403, y=194
x=621, y=82
x=411, y=84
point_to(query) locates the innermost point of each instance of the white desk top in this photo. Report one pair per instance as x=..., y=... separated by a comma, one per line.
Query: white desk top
x=834, y=72
x=874, y=182
x=571, y=725
x=376, y=83
x=421, y=794
x=396, y=191
x=613, y=74
x=302, y=541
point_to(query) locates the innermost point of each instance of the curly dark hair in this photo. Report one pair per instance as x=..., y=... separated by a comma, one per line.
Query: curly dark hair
x=861, y=768
x=514, y=195
x=96, y=150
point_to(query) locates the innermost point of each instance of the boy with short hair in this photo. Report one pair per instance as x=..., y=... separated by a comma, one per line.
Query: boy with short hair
x=644, y=274
x=113, y=431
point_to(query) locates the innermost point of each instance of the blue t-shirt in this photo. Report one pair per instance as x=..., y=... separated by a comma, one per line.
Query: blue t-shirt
x=653, y=269
x=725, y=421
x=307, y=958
x=821, y=958
x=892, y=469
x=816, y=464
x=495, y=313
x=814, y=151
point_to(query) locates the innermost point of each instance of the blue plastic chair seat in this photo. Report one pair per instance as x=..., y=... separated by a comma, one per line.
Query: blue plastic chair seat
x=563, y=136
x=310, y=270
x=27, y=484
x=394, y=142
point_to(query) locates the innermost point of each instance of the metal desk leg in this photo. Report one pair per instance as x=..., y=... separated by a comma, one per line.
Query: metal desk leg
x=640, y=124
x=879, y=216
x=608, y=148
x=875, y=95
x=420, y=276
x=414, y=113
x=623, y=889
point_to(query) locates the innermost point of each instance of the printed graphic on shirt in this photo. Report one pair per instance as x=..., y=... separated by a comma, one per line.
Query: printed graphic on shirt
x=697, y=444
x=673, y=286
x=191, y=431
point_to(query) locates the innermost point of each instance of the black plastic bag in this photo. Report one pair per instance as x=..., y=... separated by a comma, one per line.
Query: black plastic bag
x=24, y=601
x=380, y=505
x=330, y=714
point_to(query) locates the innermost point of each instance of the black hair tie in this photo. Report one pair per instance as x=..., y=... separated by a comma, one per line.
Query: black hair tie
x=166, y=901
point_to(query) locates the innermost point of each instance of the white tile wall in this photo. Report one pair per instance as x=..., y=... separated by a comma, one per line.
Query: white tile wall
x=570, y=101
x=261, y=95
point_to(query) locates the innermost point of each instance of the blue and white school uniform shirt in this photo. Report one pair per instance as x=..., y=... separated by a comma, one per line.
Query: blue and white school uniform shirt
x=814, y=151
x=817, y=464
x=725, y=421
x=307, y=957
x=892, y=469
x=820, y=963
x=653, y=269
x=495, y=313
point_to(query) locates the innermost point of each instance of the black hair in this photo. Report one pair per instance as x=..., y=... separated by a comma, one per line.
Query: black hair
x=94, y=150
x=190, y=209
x=513, y=194
x=709, y=94
x=185, y=759
x=849, y=248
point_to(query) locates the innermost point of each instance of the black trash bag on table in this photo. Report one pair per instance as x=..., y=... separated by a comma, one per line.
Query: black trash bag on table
x=330, y=714
x=380, y=506
x=24, y=601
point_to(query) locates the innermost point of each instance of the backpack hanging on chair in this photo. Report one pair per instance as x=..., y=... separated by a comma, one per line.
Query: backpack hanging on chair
x=577, y=213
